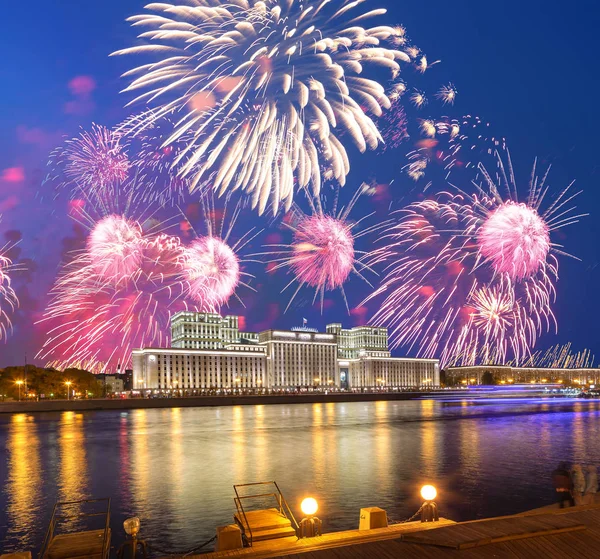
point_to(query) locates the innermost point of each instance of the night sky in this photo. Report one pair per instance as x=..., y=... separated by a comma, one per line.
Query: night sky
x=529, y=68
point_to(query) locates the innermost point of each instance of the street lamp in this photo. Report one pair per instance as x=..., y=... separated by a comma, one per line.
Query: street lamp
x=310, y=525
x=19, y=383
x=68, y=383
x=429, y=511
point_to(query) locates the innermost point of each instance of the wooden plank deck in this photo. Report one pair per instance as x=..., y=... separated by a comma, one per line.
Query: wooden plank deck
x=476, y=534
x=580, y=544
x=290, y=546
x=89, y=545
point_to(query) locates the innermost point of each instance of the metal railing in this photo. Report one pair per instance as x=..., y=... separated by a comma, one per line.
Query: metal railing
x=282, y=506
x=61, y=515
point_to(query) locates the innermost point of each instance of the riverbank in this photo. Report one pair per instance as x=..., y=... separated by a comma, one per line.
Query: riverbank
x=208, y=401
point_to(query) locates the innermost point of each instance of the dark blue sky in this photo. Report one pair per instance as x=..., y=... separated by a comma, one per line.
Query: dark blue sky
x=530, y=68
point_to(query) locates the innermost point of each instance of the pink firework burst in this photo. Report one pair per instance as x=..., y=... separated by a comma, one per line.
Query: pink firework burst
x=455, y=289
x=322, y=253
x=213, y=264
x=95, y=324
x=515, y=239
x=115, y=246
x=94, y=163
x=212, y=270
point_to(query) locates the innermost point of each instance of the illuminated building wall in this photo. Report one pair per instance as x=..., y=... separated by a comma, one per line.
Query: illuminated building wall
x=516, y=375
x=209, y=352
x=194, y=330
x=300, y=358
x=392, y=372
x=362, y=340
x=242, y=366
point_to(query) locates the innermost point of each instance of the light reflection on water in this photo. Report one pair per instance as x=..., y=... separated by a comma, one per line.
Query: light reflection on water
x=174, y=468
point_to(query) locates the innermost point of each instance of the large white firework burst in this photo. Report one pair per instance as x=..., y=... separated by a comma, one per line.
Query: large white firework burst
x=266, y=88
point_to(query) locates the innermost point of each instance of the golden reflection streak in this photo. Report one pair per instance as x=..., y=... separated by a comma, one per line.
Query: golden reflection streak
x=429, y=456
x=239, y=446
x=319, y=456
x=382, y=446
x=261, y=451
x=73, y=474
x=140, y=460
x=176, y=455
x=24, y=467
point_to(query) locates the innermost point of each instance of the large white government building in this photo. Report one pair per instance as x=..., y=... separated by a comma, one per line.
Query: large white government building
x=210, y=352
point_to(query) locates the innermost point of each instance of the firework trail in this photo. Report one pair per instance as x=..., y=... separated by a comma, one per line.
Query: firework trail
x=154, y=161
x=92, y=164
x=470, y=277
x=119, y=292
x=8, y=298
x=212, y=265
x=452, y=144
x=115, y=247
x=322, y=253
x=95, y=324
x=266, y=88
x=560, y=357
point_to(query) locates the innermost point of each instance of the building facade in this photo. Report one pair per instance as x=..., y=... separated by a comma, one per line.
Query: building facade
x=199, y=369
x=300, y=358
x=194, y=330
x=521, y=375
x=209, y=352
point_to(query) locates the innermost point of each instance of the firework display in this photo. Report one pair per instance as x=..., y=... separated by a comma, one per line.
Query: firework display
x=95, y=324
x=8, y=298
x=93, y=163
x=115, y=247
x=321, y=254
x=270, y=103
x=470, y=277
x=266, y=88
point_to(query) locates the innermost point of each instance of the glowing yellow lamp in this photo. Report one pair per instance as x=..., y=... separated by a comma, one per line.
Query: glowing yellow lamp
x=309, y=506
x=428, y=492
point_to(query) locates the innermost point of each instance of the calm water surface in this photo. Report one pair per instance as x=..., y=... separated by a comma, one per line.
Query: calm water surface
x=174, y=468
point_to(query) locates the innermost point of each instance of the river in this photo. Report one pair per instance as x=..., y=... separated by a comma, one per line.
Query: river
x=174, y=468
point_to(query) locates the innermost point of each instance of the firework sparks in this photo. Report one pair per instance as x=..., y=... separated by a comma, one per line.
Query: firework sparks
x=266, y=89
x=463, y=281
x=561, y=357
x=322, y=254
x=155, y=161
x=515, y=239
x=212, y=265
x=418, y=98
x=447, y=94
x=96, y=324
x=94, y=161
x=115, y=247
x=8, y=298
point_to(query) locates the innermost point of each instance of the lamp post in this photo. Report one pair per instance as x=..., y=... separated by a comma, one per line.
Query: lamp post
x=19, y=383
x=429, y=511
x=310, y=525
x=68, y=384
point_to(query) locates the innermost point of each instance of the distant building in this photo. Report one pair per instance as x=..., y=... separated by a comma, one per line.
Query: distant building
x=111, y=383
x=521, y=375
x=209, y=352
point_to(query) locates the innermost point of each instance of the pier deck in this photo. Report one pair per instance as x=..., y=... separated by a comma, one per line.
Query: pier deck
x=550, y=533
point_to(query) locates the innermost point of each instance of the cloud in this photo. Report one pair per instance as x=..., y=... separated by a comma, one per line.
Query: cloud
x=81, y=87
x=13, y=175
